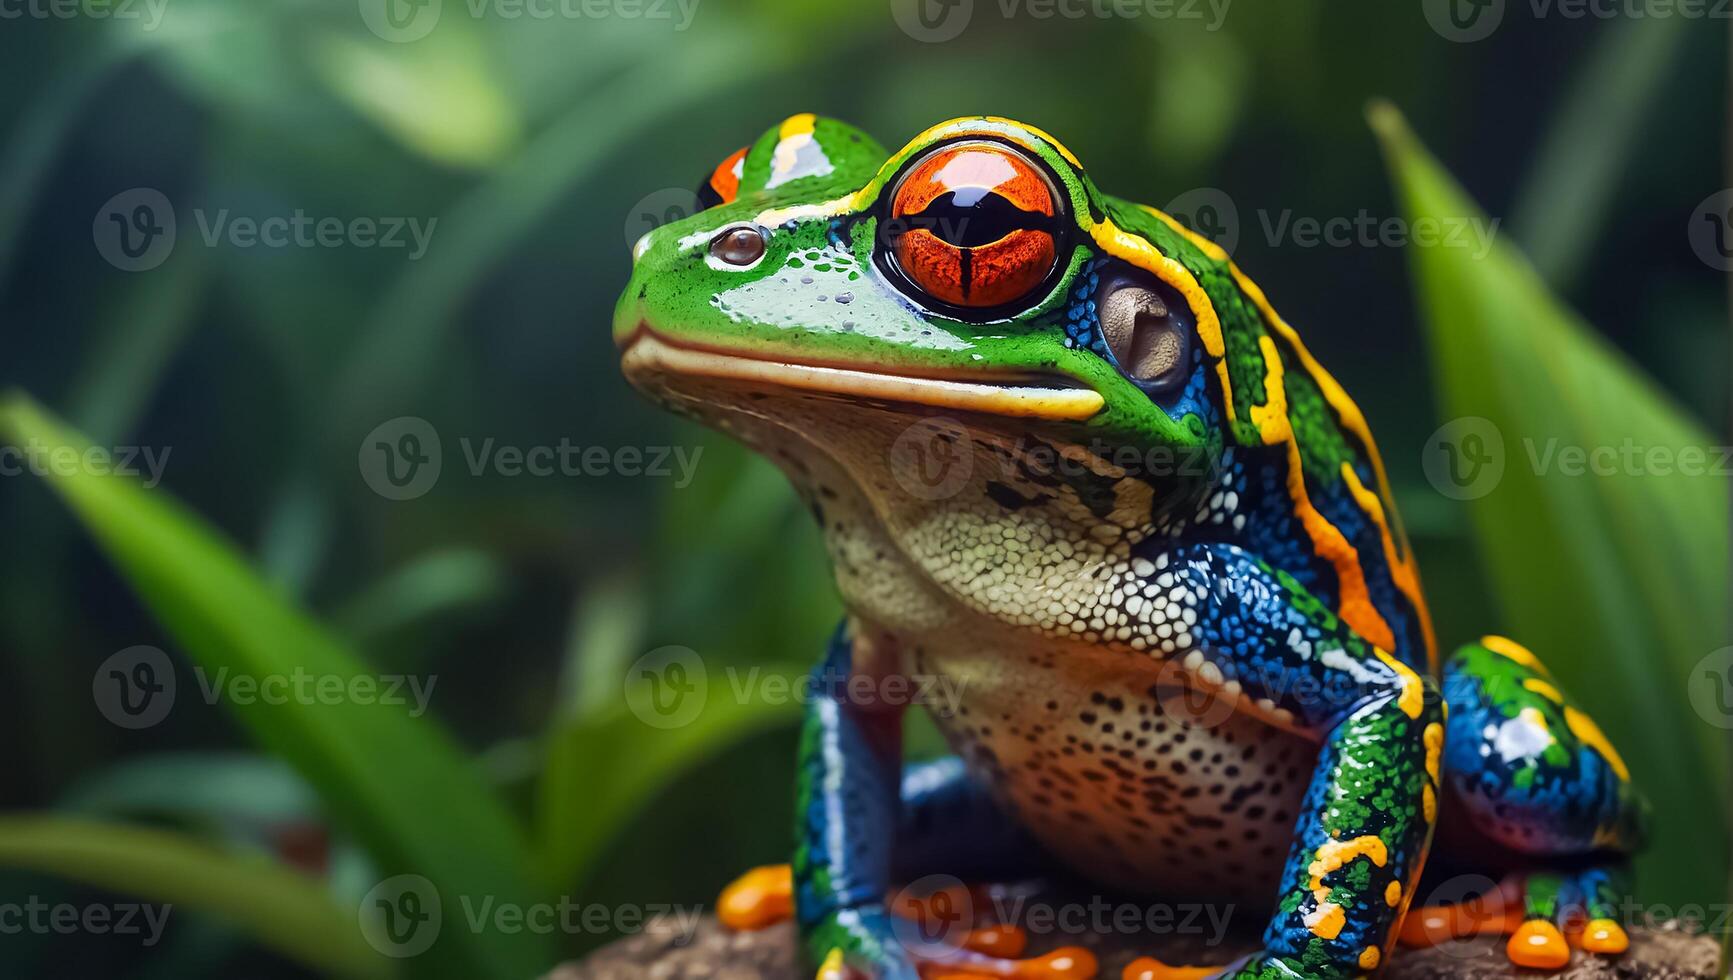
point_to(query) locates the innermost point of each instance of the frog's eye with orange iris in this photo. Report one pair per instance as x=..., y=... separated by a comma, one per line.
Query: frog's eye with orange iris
x=723, y=183
x=974, y=224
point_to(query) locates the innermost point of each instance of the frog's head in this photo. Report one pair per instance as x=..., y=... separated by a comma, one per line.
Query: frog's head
x=831, y=296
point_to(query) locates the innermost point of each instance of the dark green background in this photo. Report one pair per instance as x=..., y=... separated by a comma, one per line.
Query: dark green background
x=533, y=142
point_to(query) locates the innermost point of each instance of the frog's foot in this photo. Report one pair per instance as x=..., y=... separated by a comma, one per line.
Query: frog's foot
x=982, y=953
x=1543, y=914
x=764, y=896
x=978, y=950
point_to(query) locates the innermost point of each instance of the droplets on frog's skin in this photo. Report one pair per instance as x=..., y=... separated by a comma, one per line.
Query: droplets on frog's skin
x=829, y=274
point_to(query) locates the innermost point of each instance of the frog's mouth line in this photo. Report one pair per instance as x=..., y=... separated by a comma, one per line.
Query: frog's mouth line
x=647, y=351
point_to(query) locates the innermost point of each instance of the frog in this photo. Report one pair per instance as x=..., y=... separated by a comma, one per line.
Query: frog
x=1067, y=457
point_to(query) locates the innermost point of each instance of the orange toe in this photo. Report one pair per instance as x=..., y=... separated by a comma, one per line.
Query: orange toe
x=1150, y=968
x=1004, y=942
x=1538, y=945
x=759, y=898
x=1067, y=963
x=1434, y=924
x=1604, y=936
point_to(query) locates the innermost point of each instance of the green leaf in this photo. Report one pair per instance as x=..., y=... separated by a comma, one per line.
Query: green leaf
x=1616, y=579
x=604, y=765
x=224, y=786
x=407, y=328
x=438, y=96
x=431, y=584
x=395, y=780
x=283, y=909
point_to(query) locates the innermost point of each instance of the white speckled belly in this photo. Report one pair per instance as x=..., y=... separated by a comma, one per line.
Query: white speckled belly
x=1080, y=749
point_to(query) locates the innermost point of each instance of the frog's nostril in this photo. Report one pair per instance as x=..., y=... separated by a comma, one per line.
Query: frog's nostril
x=738, y=246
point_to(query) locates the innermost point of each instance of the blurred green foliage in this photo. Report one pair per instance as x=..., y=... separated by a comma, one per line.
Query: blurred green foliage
x=535, y=144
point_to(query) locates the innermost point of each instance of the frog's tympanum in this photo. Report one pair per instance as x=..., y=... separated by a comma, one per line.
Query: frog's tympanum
x=1070, y=462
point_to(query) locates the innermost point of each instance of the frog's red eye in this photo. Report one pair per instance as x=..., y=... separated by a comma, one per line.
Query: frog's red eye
x=723, y=184
x=974, y=224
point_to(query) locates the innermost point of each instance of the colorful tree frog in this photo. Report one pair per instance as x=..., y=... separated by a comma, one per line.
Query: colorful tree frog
x=1066, y=456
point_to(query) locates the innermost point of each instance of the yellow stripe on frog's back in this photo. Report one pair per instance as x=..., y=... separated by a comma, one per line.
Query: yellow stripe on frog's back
x=1397, y=554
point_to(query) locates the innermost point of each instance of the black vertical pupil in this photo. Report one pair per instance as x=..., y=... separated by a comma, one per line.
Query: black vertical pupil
x=973, y=216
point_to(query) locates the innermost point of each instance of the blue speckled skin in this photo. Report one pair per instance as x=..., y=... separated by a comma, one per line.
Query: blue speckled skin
x=1267, y=564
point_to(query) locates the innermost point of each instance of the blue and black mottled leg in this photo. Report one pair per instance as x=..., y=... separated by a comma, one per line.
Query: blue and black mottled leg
x=1367, y=818
x=946, y=823
x=1536, y=775
x=856, y=837
x=846, y=814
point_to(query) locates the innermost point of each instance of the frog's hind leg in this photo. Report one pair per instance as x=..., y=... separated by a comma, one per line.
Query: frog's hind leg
x=947, y=823
x=1536, y=775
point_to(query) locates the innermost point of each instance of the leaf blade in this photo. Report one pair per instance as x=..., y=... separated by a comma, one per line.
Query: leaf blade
x=283, y=909
x=1613, y=578
x=379, y=769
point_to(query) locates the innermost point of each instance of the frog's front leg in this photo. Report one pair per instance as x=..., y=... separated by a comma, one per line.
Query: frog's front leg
x=853, y=842
x=1367, y=818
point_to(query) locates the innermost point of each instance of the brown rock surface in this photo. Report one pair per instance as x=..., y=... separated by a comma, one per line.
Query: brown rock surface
x=714, y=953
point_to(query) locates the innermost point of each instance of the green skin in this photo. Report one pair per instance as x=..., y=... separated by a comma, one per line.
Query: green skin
x=1372, y=705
